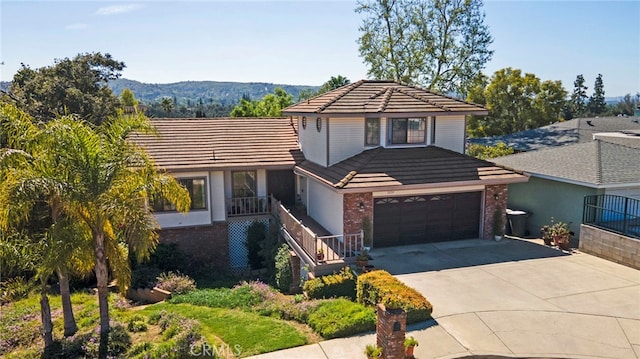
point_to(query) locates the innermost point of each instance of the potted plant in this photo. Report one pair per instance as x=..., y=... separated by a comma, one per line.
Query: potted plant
x=560, y=233
x=362, y=259
x=498, y=224
x=409, y=344
x=372, y=351
x=546, y=235
x=320, y=254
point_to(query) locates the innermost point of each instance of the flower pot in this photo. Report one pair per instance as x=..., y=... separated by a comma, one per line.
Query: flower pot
x=361, y=262
x=497, y=238
x=409, y=352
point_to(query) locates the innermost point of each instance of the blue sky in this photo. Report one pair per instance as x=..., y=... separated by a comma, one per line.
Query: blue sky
x=306, y=42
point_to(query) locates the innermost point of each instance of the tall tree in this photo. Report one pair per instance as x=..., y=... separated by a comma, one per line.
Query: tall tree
x=626, y=105
x=439, y=44
x=270, y=105
x=578, y=102
x=333, y=83
x=75, y=86
x=107, y=184
x=167, y=104
x=597, y=104
x=516, y=102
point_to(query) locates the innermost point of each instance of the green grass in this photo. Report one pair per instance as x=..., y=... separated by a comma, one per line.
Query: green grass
x=253, y=333
x=341, y=318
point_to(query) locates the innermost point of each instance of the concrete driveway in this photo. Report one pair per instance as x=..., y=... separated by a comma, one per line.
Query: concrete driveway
x=512, y=298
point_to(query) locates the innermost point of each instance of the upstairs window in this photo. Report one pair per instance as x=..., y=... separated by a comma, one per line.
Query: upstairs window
x=372, y=132
x=244, y=184
x=197, y=188
x=408, y=130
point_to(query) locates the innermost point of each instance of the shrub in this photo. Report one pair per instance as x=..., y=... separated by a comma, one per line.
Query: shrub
x=380, y=286
x=341, y=318
x=256, y=234
x=299, y=310
x=13, y=289
x=168, y=257
x=118, y=342
x=137, y=324
x=341, y=284
x=175, y=283
x=283, y=268
x=144, y=276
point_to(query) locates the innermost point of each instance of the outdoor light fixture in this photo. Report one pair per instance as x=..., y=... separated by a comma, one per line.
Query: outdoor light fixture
x=361, y=205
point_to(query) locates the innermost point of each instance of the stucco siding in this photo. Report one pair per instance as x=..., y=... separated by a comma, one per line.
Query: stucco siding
x=192, y=218
x=450, y=133
x=312, y=142
x=346, y=138
x=544, y=199
x=325, y=206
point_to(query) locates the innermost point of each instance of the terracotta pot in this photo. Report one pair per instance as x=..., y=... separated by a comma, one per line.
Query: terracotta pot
x=409, y=352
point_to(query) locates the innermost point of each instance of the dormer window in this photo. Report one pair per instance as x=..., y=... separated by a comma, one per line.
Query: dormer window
x=408, y=130
x=372, y=132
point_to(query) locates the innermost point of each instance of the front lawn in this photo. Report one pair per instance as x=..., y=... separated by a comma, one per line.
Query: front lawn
x=245, y=332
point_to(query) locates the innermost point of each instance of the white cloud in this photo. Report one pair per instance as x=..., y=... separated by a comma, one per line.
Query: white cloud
x=77, y=26
x=117, y=9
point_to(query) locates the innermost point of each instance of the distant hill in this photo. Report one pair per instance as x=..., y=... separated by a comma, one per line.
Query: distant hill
x=223, y=92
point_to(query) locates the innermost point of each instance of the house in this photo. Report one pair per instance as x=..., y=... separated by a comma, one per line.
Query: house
x=374, y=156
x=230, y=166
x=561, y=177
x=577, y=130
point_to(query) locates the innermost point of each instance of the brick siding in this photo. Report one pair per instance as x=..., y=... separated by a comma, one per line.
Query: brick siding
x=494, y=196
x=206, y=244
x=352, y=213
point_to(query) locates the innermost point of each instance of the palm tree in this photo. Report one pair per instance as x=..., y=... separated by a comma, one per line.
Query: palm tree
x=104, y=186
x=110, y=183
x=29, y=196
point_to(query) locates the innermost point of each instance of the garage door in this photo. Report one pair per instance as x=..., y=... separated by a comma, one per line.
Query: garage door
x=428, y=218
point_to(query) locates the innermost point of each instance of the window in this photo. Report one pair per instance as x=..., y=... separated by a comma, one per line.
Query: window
x=408, y=130
x=197, y=191
x=371, y=131
x=244, y=184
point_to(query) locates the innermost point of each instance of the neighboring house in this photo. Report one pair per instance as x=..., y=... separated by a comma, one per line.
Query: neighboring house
x=370, y=154
x=562, y=176
x=577, y=130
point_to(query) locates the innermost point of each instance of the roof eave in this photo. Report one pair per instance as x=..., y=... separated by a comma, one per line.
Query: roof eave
x=386, y=114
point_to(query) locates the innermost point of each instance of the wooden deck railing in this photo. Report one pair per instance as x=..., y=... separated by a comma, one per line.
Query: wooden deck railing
x=333, y=248
x=248, y=206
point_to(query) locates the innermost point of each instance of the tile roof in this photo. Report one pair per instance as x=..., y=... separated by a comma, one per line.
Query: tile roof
x=191, y=144
x=595, y=163
x=389, y=167
x=382, y=98
x=577, y=130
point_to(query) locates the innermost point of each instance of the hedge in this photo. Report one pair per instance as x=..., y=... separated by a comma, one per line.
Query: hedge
x=380, y=286
x=341, y=284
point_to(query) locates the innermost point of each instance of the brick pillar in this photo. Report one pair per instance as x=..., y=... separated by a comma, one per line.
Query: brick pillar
x=295, y=273
x=390, y=330
x=356, y=207
x=494, y=196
